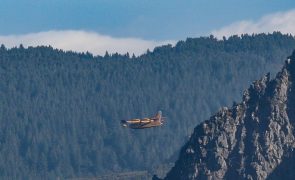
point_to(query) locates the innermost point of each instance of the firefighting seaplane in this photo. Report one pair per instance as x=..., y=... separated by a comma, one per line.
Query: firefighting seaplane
x=155, y=121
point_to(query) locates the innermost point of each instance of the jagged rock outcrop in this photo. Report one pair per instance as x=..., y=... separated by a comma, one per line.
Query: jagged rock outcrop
x=253, y=140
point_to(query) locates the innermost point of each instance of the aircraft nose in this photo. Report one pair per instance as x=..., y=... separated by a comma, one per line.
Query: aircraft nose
x=124, y=123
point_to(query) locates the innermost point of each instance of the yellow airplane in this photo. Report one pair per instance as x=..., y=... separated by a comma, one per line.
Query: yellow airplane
x=157, y=120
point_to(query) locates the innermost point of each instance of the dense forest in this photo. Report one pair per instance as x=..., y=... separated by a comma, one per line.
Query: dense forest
x=60, y=111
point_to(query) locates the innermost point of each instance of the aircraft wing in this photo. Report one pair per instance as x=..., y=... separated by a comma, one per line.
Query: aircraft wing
x=158, y=118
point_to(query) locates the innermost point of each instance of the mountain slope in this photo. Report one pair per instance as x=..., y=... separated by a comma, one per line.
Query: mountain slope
x=253, y=140
x=60, y=111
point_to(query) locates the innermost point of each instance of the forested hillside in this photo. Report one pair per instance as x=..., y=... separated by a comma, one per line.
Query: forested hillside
x=60, y=111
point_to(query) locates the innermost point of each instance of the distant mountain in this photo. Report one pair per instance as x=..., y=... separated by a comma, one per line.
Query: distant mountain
x=255, y=139
x=60, y=111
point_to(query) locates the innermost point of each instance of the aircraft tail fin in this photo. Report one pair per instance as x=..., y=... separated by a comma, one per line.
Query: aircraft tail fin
x=159, y=116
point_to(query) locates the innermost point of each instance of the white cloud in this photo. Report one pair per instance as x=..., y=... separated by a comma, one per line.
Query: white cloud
x=280, y=21
x=82, y=41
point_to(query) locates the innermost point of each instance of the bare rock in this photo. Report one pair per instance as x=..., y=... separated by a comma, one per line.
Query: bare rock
x=253, y=140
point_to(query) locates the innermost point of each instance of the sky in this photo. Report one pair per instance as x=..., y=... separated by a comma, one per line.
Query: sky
x=135, y=25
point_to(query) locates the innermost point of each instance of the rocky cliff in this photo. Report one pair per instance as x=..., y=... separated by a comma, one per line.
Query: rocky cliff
x=253, y=140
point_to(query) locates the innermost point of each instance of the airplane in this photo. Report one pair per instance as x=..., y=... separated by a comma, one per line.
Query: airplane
x=155, y=121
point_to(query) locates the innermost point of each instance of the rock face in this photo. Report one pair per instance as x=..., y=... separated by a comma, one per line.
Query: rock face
x=253, y=140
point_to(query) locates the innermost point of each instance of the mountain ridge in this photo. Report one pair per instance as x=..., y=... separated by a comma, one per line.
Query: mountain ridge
x=249, y=140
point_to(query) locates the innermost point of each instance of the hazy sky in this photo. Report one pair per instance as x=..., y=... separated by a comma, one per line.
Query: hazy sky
x=150, y=21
